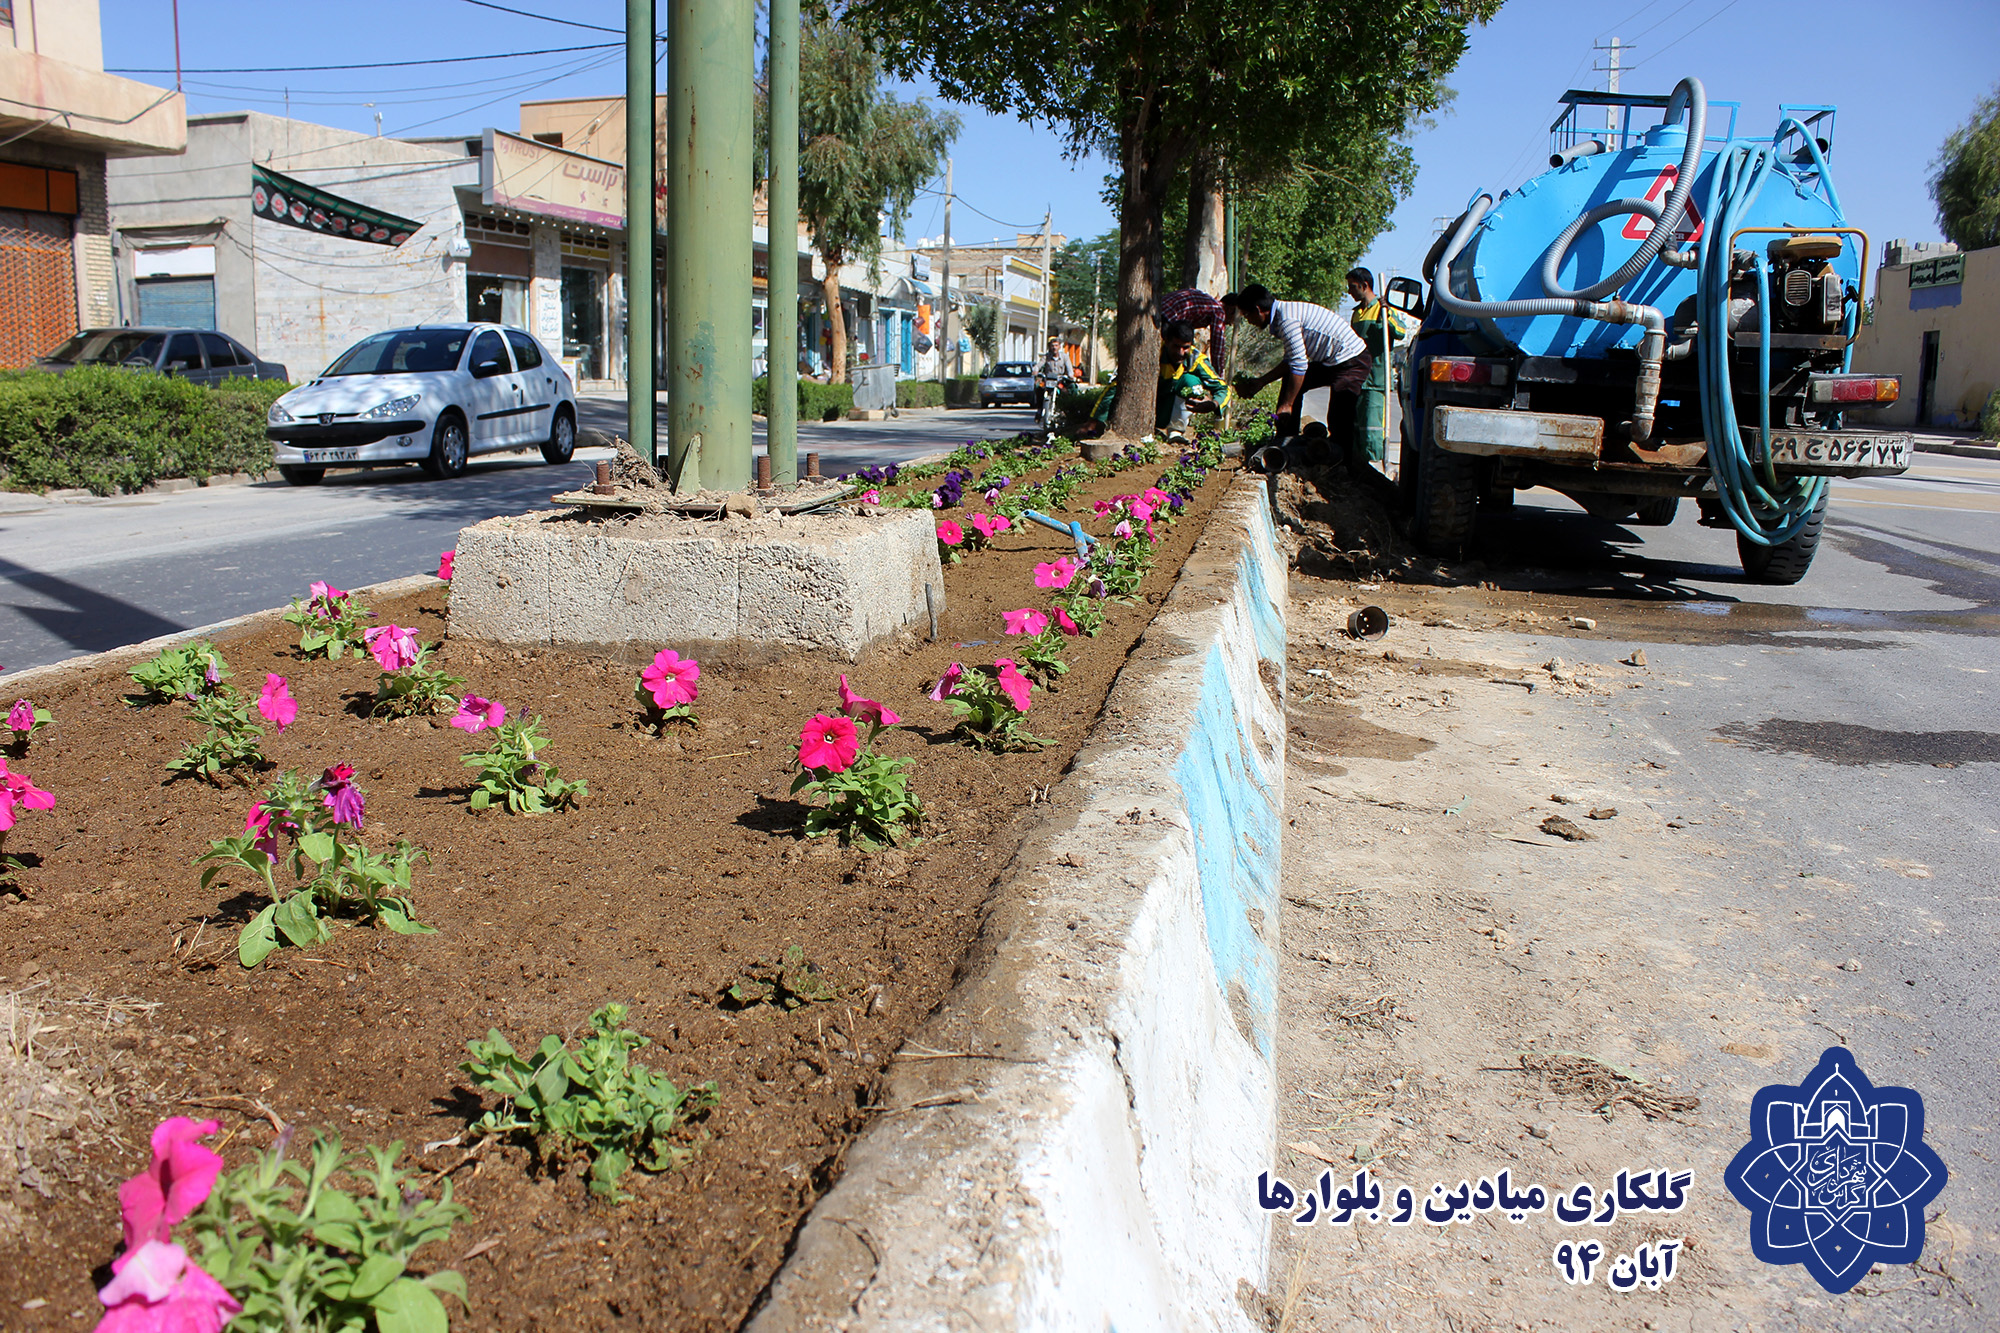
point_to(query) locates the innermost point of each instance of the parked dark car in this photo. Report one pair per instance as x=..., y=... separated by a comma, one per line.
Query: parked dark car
x=201, y=355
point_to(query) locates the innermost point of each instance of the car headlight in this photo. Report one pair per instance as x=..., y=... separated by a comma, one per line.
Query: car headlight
x=395, y=407
x=278, y=416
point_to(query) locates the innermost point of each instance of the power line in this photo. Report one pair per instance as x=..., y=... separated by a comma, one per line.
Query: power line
x=383, y=64
x=960, y=199
x=1689, y=33
x=546, y=18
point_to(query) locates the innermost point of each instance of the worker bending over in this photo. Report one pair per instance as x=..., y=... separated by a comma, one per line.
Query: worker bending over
x=1321, y=351
x=1188, y=383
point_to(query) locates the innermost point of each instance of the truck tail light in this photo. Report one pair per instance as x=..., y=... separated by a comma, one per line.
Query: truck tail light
x=1467, y=370
x=1854, y=389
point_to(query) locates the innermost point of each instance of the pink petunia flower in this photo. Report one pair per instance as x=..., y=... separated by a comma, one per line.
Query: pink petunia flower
x=21, y=717
x=182, y=1173
x=17, y=790
x=865, y=709
x=276, y=702
x=444, y=564
x=947, y=683
x=158, y=1289
x=1064, y=623
x=829, y=743
x=476, y=714
x=1013, y=684
x=950, y=533
x=1124, y=528
x=1025, y=621
x=343, y=797
x=671, y=678
x=937, y=501
x=258, y=822
x=1143, y=512
x=1001, y=523
x=394, y=647
x=1056, y=573
x=1154, y=496
x=871, y=497
x=1103, y=507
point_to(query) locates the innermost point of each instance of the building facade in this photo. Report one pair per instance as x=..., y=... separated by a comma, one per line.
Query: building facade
x=1936, y=322
x=62, y=119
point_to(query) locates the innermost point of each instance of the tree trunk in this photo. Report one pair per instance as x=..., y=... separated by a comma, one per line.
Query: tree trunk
x=836, y=321
x=1148, y=172
x=1203, y=263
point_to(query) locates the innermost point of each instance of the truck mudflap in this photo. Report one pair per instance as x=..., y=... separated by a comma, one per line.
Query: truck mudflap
x=1835, y=453
x=1498, y=432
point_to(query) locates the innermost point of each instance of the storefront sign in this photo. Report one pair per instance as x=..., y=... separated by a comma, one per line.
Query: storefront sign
x=1940, y=272
x=554, y=182
x=296, y=204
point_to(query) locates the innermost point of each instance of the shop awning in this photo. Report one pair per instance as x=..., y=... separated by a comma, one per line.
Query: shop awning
x=279, y=198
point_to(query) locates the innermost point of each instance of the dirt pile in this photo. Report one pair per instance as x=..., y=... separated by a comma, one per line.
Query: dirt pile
x=1340, y=524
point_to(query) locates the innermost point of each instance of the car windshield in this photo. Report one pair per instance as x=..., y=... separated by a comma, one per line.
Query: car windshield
x=402, y=352
x=107, y=347
x=1013, y=369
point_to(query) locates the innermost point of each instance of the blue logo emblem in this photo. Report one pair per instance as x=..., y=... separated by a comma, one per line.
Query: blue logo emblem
x=1836, y=1173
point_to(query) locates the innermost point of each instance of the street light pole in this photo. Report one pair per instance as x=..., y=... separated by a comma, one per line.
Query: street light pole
x=944, y=323
x=782, y=310
x=640, y=367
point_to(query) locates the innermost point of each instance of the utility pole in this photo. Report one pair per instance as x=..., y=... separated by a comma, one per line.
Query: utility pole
x=640, y=366
x=1611, y=72
x=1042, y=330
x=944, y=319
x=710, y=46
x=782, y=312
x=1096, y=294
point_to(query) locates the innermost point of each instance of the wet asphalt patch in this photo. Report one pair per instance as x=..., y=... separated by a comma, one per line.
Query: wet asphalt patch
x=1855, y=745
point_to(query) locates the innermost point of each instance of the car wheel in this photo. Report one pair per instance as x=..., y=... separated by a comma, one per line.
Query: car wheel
x=303, y=476
x=562, y=438
x=1657, y=511
x=986, y=403
x=449, y=448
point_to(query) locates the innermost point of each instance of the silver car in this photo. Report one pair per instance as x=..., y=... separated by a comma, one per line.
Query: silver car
x=1008, y=382
x=436, y=395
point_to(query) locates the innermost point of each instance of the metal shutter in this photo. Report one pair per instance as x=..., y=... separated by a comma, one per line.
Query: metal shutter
x=37, y=285
x=177, y=303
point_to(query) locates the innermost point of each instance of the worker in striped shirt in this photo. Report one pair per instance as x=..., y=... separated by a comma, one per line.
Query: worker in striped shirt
x=1322, y=350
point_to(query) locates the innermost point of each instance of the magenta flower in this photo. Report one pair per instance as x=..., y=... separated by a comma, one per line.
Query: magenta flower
x=829, y=743
x=871, y=497
x=865, y=709
x=214, y=673
x=182, y=1173
x=1124, y=528
x=1056, y=574
x=1103, y=507
x=950, y=533
x=937, y=501
x=325, y=600
x=342, y=796
x=947, y=683
x=989, y=525
x=17, y=790
x=444, y=564
x=1155, y=497
x=1064, y=623
x=1025, y=621
x=158, y=1289
x=394, y=647
x=1013, y=684
x=671, y=678
x=21, y=717
x=477, y=714
x=258, y=822
x=276, y=702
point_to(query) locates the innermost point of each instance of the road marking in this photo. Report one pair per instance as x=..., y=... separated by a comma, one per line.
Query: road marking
x=1941, y=503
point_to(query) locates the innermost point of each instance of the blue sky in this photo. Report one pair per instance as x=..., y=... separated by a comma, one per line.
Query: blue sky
x=1902, y=75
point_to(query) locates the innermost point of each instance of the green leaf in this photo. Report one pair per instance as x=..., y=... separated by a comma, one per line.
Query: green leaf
x=258, y=938
x=450, y=1281
x=551, y=1083
x=605, y=1171
x=395, y=914
x=318, y=846
x=299, y=922
x=376, y=1272
x=480, y=799
x=408, y=1306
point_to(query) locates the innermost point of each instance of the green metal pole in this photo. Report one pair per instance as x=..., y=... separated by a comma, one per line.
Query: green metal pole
x=639, y=171
x=710, y=129
x=782, y=313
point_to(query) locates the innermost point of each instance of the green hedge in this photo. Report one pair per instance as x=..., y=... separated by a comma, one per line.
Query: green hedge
x=817, y=402
x=108, y=430
x=919, y=393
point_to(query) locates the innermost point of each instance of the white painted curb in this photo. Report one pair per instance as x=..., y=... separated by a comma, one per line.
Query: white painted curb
x=1085, y=1154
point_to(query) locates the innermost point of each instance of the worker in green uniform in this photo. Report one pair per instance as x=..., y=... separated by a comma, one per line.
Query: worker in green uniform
x=1188, y=383
x=1385, y=329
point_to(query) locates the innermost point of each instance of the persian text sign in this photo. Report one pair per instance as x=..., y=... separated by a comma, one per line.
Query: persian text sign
x=554, y=182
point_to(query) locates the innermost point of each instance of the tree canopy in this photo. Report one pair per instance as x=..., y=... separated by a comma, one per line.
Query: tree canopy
x=1965, y=179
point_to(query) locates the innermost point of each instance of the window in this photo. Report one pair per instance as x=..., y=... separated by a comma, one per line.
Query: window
x=403, y=351
x=182, y=354
x=487, y=347
x=221, y=352
x=527, y=352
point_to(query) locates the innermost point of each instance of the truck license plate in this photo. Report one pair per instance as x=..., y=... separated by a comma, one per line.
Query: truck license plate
x=1837, y=453
x=331, y=455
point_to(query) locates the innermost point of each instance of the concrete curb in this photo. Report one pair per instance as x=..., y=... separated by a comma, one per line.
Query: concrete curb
x=1093, y=1163
x=1966, y=449
x=28, y=677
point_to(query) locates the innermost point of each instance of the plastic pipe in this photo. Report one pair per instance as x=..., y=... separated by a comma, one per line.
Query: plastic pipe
x=1588, y=148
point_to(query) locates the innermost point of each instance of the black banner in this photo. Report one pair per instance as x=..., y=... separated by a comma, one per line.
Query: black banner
x=296, y=204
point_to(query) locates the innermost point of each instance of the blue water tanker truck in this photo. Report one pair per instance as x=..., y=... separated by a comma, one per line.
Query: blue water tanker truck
x=1667, y=313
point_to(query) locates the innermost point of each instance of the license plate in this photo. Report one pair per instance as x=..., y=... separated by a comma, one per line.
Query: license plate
x=1843, y=453
x=332, y=455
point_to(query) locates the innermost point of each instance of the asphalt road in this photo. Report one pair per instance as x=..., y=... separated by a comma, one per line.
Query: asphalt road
x=83, y=576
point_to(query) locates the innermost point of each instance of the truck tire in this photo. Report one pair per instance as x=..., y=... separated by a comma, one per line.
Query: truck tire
x=1657, y=511
x=1786, y=563
x=1447, y=499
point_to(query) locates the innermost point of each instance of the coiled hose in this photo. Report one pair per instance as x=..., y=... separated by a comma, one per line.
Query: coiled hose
x=1761, y=507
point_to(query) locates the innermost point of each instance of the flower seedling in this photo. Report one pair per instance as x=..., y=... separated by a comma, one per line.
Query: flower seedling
x=595, y=1099
x=233, y=741
x=24, y=720
x=991, y=703
x=327, y=1243
x=329, y=621
x=184, y=672
x=512, y=773
x=410, y=685
x=787, y=984
x=311, y=828
x=668, y=688
x=17, y=793
x=155, y=1286
x=868, y=796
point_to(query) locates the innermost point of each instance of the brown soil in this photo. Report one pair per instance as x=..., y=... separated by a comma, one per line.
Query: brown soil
x=682, y=868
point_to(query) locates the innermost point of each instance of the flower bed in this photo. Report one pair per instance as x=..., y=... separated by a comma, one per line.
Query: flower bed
x=781, y=969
